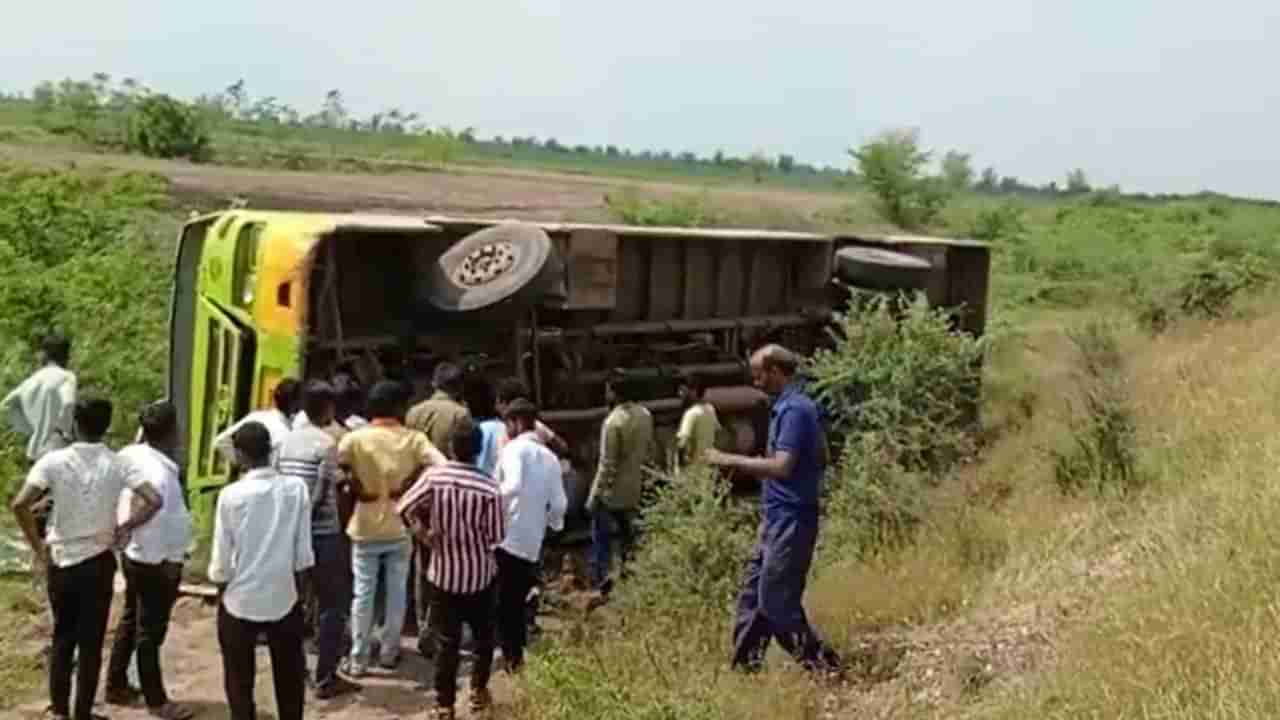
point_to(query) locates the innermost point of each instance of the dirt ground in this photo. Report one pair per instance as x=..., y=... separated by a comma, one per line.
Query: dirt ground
x=193, y=676
x=502, y=192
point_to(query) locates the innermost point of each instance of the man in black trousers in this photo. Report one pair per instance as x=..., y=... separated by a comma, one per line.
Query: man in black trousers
x=85, y=481
x=261, y=547
x=152, y=564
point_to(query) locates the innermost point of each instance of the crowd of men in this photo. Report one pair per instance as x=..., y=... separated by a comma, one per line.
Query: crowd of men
x=358, y=501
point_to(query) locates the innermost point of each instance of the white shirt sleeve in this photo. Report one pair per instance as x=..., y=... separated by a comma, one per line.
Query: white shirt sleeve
x=559, y=503
x=509, y=477
x=223, y=545
x=223, y=440
x=38, y=477
x=65, y=422
x=12, y=407
x=303, y=553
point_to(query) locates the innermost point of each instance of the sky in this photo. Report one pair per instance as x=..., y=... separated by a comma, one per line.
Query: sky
x=1153, y=95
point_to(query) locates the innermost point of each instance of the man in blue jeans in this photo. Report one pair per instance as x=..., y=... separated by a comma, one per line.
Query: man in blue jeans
x=381, y=461
x=769, y=605
x=310, y=454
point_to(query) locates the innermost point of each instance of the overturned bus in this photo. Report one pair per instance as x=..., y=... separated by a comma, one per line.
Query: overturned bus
x=260, y=296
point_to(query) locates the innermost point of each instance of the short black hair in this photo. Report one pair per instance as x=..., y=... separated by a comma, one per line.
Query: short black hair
x=253, y=442
x=447, y=377
x=56, y=347
x=387, y=399
x=510, y=389
x=522, y=408
x=625, y=387
x=696, y=382
x=158, y=420
x=465, y=441
x=93, y=417
x=318, y=398
x=349, y=395
x=285, y=395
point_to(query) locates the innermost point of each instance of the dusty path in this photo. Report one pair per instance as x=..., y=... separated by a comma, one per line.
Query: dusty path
x=193, y=676
x=489, y=191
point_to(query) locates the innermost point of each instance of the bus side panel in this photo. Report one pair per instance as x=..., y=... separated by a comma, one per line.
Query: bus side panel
x=182, y=320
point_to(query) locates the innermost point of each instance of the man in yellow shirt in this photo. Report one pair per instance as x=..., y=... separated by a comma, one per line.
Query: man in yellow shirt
x=381, y=461
x=698, y=425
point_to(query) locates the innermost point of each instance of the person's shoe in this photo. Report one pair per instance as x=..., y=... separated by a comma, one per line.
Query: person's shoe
x=427, y=649
x=172, y=711
x=124, y=696
x=354, y=669
x=442, y=713
x=389, y=663
x=337, y=687
x=480, y=702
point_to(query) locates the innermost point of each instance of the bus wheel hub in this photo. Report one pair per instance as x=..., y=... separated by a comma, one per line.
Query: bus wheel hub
x=485, y=264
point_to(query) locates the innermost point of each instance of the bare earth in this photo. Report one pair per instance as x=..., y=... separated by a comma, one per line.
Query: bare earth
x=505, y=192
x=193, y=676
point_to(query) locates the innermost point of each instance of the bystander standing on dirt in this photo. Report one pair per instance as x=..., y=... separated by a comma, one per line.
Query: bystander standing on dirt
x=381, y=462
x=533, y=499
x=85, y=481
x=310, y=453
x=152, y=564
x=261, y=547
x=456, y=511
x=625, y=444
x=769, y=605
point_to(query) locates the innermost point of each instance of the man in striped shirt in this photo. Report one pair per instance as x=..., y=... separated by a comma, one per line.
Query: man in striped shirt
x=455, y=510
x=310, y=453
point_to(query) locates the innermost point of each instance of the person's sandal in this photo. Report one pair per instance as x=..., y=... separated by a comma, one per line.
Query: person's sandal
x=172, y=711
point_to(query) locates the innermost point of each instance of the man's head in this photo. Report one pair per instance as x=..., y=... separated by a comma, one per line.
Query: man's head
x=318, y=399
x=388, y=400
x=620, y=389
x=159, y=422
x=508, y=391
x=93, y=418
x=693, y=388
x=349, y=397
x=253, y=445
x=521, y=416
x=773, y=367
x=447, y=378
x=465, y=442
x=285, y=396
x=56, y=348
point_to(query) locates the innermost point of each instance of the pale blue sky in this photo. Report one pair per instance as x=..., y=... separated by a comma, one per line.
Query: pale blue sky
x=1157, y=95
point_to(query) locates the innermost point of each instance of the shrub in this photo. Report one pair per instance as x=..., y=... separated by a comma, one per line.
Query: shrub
x=893, y=167
x=902, y=388
x=160, y=126
x=678, y=211
x=1004, y=222
x=1102, y=456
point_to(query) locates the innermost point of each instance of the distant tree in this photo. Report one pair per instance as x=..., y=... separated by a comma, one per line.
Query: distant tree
x=1077, y=182
x=1009, y=184
x=582, y=149
x=611, y=150
x=893, y=166
x=718, y=159
x=957, y=170
x=161, y=126
x=688, y=158
x=468, y=135
x=786, y=163
x=553, y=145
x=988, y=182
x=236, y=100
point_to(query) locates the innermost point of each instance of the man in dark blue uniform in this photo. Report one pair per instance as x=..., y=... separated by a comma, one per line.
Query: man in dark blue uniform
x=769, y=605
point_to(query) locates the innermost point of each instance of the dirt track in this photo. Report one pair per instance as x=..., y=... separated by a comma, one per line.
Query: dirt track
x=193, y=676
x=517, y=193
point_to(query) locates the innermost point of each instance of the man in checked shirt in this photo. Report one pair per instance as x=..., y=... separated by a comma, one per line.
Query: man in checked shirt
x=455, y=510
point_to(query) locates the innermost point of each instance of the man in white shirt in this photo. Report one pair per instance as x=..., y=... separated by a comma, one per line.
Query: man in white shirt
x=41, y=409
x=277, y=420
x=152, y=563
x=261, y=544
x=533, y=499
x=85, y=481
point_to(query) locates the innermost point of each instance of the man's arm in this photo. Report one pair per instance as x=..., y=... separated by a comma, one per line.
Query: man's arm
x=399, y=489
x=222, y=441
x=792, y=436
x=65, y=422
x=12, y=407
x=610, y=457
x=146, y=503
x=683, y=436
x=223, y=547
x=304, y=557
x=559, y=503
x=22, y=512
